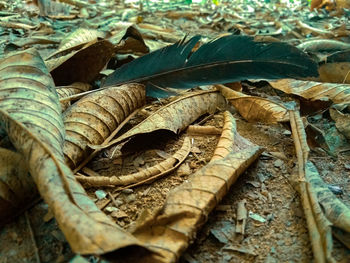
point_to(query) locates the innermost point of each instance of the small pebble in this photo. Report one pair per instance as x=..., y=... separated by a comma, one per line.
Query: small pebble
x=100, y=194
x=335, y=189
x=278, y=163
x=287, y=133
x=127, y=191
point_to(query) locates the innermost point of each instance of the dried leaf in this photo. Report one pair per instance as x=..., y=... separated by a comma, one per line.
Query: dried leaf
x=30, y=114
x=319, y=45
x=342, y=122
x=335, y=210
x=16, y=25
x=226, y=142
x=93, y=118
x=77, y=40
x=17, y=188
x=175, y=116
x=81, y=66
x=130, y=41
x=67, y=91
x=148, y=174
x=255, y=109
x=338, y=72
x=173, y=227
x=311, y=90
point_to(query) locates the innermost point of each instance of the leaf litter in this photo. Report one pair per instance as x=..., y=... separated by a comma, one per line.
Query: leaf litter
x=264, y=187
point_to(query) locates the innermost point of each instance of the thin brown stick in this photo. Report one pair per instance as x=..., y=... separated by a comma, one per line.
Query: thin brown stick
x=36, y=250
x=297, y=144
x=109, y=138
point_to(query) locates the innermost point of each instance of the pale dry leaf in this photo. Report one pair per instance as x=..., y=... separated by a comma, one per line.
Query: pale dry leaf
x=170, y=230
x=311, y=90
x=17, y=188
x=83, y=65
x=30, y=115
x=255, y=109
x=94, y=117
x=175, y=116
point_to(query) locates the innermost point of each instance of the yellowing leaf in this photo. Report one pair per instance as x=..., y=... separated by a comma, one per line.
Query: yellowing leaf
x=255, y=109
x=17, y=189
x=171, y=229
x=337, y=72
x=30, y=115
x=83, y=65
x=94, y=117
x=175, y=116
x=311, y=90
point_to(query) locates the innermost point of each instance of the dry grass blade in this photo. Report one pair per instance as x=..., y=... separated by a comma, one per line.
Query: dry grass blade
x=255, y=109
x=175, y=116
x=31, y=116
x=145, y=175
x=311, y=90
x=173, y=227
x=93, y=118
x=17, y=189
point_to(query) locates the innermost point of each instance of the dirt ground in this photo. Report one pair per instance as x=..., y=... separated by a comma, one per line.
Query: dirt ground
x=276, y=228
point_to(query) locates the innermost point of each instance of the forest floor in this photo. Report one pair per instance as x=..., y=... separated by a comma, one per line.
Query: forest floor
x=276, y=230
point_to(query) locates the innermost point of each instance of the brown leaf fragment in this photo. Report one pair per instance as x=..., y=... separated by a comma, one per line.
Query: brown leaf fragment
x=227, y=138
x=76, y=3
x=335, y=210
x=183, y=14
x=53, y=9
x=16, y=25
x=342, y=122
x=93, y=118
x=130, y=41
x=175, y=116
x=318, y=45
x=30, y=115
x=307, y=29
x=144, y=175
x=17, y=188
x=337, y=72
x=67, y=91
x=342, y=236
x=77, y=40
x=170, y=230
x=83, y=65
x=311, y=90
x=255, y=109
